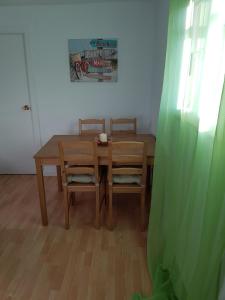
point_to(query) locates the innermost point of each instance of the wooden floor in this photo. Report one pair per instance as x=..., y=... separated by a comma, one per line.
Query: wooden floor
x=82, y=263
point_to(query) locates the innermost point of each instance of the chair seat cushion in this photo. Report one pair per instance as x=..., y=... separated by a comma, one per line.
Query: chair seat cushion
x=126, y=179
x=83, y=178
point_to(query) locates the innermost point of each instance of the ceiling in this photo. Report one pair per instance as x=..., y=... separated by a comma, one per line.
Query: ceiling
x=29, y=2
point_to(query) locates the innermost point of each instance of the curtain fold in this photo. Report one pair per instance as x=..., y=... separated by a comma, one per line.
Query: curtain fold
x=186, y=243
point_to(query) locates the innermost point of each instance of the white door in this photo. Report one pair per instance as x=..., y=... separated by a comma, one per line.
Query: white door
x=16, y=131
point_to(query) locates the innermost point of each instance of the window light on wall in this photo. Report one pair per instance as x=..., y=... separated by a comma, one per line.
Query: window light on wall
x=203, y=62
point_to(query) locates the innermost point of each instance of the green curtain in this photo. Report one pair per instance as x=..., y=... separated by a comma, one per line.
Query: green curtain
x=186, y=236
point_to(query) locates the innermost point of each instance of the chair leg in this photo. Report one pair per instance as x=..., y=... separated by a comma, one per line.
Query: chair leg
x=97, y=209
x=66, y=207
x=73, y=198
x=106, y=205
x=110, y=209
x=102, y=200
x=143, y=209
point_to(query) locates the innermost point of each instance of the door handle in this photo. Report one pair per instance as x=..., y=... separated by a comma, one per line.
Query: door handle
x=26, y=107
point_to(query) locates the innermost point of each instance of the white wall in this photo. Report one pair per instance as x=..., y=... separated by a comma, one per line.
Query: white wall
x=59, y=102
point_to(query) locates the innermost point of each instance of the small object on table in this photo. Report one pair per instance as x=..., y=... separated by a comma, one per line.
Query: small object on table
x=103, y=137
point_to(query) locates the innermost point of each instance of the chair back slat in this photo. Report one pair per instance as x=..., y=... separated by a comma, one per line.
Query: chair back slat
x=117, y=126
x=127, y=159
x=79, y=170
x=79, y=159
x=127, y=171
x=97, y=126
x=127, y=152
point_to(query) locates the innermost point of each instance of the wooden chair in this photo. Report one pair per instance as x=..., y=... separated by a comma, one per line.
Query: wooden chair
x=94, y=123
x=80, y=172
x=130, y=123
x=127, y=173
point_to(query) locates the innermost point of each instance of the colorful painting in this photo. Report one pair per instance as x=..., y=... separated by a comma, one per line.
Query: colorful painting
x=93, y=60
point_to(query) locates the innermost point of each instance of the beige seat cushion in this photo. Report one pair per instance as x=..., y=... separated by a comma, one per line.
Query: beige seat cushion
x=123, y=179
x=83, y=178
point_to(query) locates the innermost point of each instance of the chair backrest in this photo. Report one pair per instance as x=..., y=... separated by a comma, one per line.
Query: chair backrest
x=97, y=126
x=117, y=126
x=77, y=158
x=127, y=158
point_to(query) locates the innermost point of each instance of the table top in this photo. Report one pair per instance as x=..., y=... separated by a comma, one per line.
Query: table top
x=50, y=149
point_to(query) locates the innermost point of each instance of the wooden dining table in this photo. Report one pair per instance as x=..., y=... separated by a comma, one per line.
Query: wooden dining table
x=49, y=155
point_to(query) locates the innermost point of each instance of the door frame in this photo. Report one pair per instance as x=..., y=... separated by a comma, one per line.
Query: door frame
x=35, y=120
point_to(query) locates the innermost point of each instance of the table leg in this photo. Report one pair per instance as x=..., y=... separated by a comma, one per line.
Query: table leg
x=59, y=179
x=41, y=190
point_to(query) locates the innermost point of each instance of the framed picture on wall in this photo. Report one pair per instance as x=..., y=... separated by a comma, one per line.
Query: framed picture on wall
x=93, y=60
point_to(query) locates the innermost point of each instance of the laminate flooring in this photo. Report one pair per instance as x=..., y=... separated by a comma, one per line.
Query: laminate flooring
x=41, y=263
